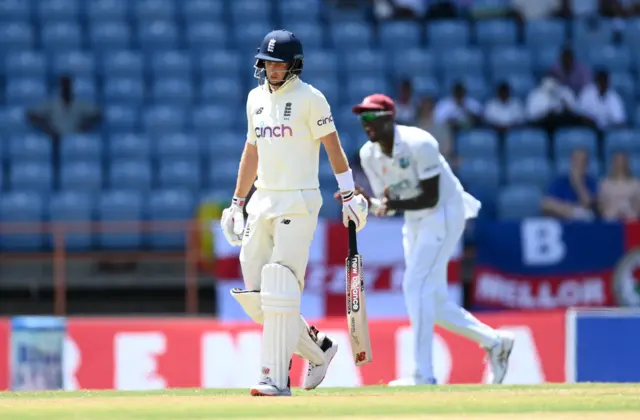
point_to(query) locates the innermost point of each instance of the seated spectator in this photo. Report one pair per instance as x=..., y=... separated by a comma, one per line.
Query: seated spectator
x=552, y=105
x=602, y=104
x=570, y=72
x=458, y=110
x=440, y=132
x=504, y=111
x=63, y=115
x=573, y=196
x=405, y=105
x=619, y=194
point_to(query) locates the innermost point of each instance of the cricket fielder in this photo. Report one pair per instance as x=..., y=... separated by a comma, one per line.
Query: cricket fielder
x=287, y=121
x=407, y=173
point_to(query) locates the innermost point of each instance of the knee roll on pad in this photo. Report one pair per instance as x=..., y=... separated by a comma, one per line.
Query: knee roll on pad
x=280, y=290
x=251, y=302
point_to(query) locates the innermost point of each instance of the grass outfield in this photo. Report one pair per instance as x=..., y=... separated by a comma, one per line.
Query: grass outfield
x=546, y=402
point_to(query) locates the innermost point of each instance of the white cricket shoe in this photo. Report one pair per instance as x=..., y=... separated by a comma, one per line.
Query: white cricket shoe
x=317, y=373
x=266, y=388
x=413, y=381
x=498, y=356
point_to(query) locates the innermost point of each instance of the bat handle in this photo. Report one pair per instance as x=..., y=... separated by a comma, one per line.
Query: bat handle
x=353, y=238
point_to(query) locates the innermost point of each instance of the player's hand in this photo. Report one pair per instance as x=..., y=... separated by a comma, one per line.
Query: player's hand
x=354, y=207
x=358, y=191
x=232, y=222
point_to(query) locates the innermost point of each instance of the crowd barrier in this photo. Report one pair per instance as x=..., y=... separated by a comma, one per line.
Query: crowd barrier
x=157, y=353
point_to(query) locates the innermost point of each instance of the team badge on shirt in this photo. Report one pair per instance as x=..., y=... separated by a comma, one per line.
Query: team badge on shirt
x=404, y=162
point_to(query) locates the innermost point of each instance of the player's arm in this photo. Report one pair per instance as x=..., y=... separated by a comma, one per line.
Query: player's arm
x=248, y=170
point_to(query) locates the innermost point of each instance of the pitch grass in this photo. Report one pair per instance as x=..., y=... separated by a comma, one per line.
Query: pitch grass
x=478, y=402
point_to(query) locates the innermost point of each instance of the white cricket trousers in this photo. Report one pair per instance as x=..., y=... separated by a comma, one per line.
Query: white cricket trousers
x=429, y=243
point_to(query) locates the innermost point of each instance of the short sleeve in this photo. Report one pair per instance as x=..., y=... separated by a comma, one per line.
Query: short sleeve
x=427, y=157
x=251, y=134
x=320, y=118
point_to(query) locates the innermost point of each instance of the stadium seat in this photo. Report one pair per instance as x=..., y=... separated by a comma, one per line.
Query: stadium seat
x=173, y=91
x=57, y=10
x=148, y=10
x=12, y=120
x=445, y=35
x=223, y=146
x=81, y=147
x=178, y=146
x=209, y=63
x=541, y=33
x=457, y=62
x=76, y=208
x=351, y=36
x=243, y=11
x=517, y=202
x=122, y=64
x=521, y=84
x=61, y=36
x=536, y=172
x=21, y=207
x=328, y=85
x=412, y=62
x=495, y=32
x=25, y=64
x=81, y=176
x=107, y=10
x=15, y=10
x=476, y=85
x=158, y=35
x=427, y=86
x=120, y=208
x=129, y=146
x=84, y=88
x=31, y=176
x=33, y=147
x=16, y=36
x=481, y=174
x=612, y=58
x=163, y=119
x=631, y=35
x=290, y=11
x=527, y=142
x=170, y=64
x=74, y=63
x=202, y=36
x=480, y=143
x=179, y=173
x=226, y=90
x=209, y=118
x=110, y=36
x=568, y=139
x=360, y=87
x=311, y=34
x=124, y=91
x=592, y=32
x=130, y=174
x=364, y=62
x=170, y=205
x=247, y=37
x=509, y=60
x=625, y=84
x=121, y=118
x=25, y=92
x=627, y=141
x=563, y=166
x=401, y=34
x=195, y=11
x=545, y=57
x=321, y=62
x=222, y=174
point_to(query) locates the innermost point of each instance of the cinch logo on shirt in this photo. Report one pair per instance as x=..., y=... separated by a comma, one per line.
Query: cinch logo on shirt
x=326, y=120
x=274, y=132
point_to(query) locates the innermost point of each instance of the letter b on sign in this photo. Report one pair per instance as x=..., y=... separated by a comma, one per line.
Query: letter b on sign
x=542, y=242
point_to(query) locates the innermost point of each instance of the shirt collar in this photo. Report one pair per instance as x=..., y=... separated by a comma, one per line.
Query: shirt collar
x=287, y=86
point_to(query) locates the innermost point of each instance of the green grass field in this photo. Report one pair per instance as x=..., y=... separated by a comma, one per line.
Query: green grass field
x=546, y=402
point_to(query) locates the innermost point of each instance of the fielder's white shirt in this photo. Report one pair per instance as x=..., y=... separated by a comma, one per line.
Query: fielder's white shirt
x=286, y=126
x=415, y=157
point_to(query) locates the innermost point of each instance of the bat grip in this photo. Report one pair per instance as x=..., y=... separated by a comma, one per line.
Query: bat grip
x=353, y=239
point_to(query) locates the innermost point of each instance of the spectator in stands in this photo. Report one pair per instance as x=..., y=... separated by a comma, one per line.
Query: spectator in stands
x=400, y=9
x=440, y=132
x=570, y=72
x=600, y=103
x=619, y=193
x=458, y=111
x=573, y=196
x=504, y=111
x=63, y=115
x=405, y=104
x=552, y=105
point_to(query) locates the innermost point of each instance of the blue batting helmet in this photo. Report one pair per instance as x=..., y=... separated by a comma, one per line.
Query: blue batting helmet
x=280, y=46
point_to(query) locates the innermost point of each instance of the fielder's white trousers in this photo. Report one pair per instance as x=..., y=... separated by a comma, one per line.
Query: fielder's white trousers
x=429, y=243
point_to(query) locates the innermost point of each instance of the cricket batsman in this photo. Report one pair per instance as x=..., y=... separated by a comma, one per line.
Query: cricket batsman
x=287, y=121
x=407, y=173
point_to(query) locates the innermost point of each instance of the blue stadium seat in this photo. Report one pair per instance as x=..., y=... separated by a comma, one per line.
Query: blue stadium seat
x=179, y=173
x=170, y=205
x=457, y=62
x=81, y=147
x=568, y=139
x=412, y=62
x=627, y=141
x=360, y=87
x=163, y=119
x=476, y=86
x=25, y=92
x=400, y=34
x=445, y=35
x=247, y=37
x=61, y=36
x=480, y=174
x=350, y=36
x=129, y=146
x=15, y=10
x=634, y=163
x=631, y=36
x=158, y=35
x=526, y=142
x=209, y=118
x=170, y=64
x=364, y=62
x=122, y=64
x=225, y=145
x=427, y=86
x=612, y=58
x=130, y=174
x=21, y=207
x=173, y=91
x=519, y=202
x=120, y=207
x=107, y=10
x=536, y=172
x=57, y=10
x=226, y=90
x=146, y=10
x=210, y=62
x=110, y=36
x=121, y=118
x=195, y=11
x=16, y=36
x=545, y=58
x=25, y=64
x=637, y=116
x=76, y=208
x=84, y=88
x=521, y=84
x=82, y=176
x=243, y=11
x=491, y=33
x=124, y=91
x=75, y=63
x=204, y=35
x=321, y=62
x=625, y=84
x=592, y=32
x=509, y=60
x=12, y=120
x=30, y=176
x=480, y=143
x=563, y=166
x=541, y=33
x=311, y=34
x=328, y=85
x=291, y=11
x=179, y=146
x=222, y=174
x=32, y=147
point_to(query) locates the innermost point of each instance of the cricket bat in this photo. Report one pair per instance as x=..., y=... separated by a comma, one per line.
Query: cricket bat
x=356, y=303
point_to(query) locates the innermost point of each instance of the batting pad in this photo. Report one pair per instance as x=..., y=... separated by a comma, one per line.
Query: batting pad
x=280, y=296
x=307, y=348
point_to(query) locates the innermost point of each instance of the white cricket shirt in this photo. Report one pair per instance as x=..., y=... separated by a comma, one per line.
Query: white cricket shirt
x=415, y=157
x=286, y=127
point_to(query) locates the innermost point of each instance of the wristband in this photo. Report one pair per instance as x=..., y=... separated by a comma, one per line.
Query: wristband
x=345, y=181
x=238, y=201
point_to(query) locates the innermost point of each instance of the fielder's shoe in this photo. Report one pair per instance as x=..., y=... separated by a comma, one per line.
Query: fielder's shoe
x=498, y=356
x=316, y=373
x=413, y=381
x=266, y=388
